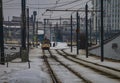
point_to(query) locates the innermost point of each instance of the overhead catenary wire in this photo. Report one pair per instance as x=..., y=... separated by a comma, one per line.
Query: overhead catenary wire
x=40, y=6
x=77, y=5
x=80, y=8
x=43, y=7
x=65, y=4
x=82, y=14
x=8, y=1
x=51, y=3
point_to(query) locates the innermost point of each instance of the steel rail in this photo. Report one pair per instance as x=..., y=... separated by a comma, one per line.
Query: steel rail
x=70, y=69
x=52, y=74
x=90, y=62
x=100, y=69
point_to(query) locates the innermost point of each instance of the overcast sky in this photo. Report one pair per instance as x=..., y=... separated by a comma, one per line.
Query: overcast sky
x=13, y=7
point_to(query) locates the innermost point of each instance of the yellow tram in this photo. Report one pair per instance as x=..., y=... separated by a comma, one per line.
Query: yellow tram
x=45, y=44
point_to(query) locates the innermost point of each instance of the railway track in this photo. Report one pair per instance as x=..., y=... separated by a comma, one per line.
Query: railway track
x=106, y=71
x=51, y=72
x=64, y=67
x=90, y=61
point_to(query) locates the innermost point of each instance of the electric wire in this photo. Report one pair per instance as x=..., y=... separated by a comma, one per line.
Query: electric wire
x=8, y=1
x=46, y=7
x=80, y=8
x=60, y=4
x=74, y=11
x=51, y=3
x=76, y=6
x=38, y=3
x=65, y=4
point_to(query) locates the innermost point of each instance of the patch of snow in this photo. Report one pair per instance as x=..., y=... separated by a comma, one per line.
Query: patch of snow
x=29, y=76
x=60, y=45
x=19, y=72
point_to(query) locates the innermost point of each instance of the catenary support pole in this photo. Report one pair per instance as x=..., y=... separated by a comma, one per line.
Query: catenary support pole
x=86, y=19
x=102, y=32
x=23, y=51
x=90, y=31
x=44, y=27
x=51, y=33
x=23, y=3
x=2, y=61
x=28, y=37
x=34, y=29
x=71, y=34
x=37, y=34
x=77, y=32
x=96, y=30
x=96, y=19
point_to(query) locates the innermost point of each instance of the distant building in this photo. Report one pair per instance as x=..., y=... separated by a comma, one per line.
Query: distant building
x=12, y=29
x=16, y=19
x=111, y=14
x=61, y=31
x=66, y=30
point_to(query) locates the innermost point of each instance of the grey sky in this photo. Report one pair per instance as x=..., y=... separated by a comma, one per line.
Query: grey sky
x=13, y=7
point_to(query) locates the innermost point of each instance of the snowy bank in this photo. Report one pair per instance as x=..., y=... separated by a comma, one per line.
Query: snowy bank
x=28, y=76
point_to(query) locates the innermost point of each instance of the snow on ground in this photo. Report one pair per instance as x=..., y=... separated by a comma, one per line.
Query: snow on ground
x=28, y=76
x=60, y=45
x=93, y=59
x=86, y=72
x=18, y=72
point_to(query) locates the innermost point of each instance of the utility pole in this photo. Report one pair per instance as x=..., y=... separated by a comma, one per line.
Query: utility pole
x=44, y=27
x=33, y=30
x=102, y=39
x=8, y=36
x=90, y=31
x=23, y=3
x=34, y=22
x=96, y=29
x=56, y=33
x=28, y=29
x=96, y=23
x=77, y=33
x=28, y=37
x=37, y=34
x=71, y=33
x=24, y=56
x=86, y=19
x=1, y=35
x=50, y=32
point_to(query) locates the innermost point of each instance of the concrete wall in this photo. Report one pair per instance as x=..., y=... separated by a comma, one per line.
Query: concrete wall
x=109, y=52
